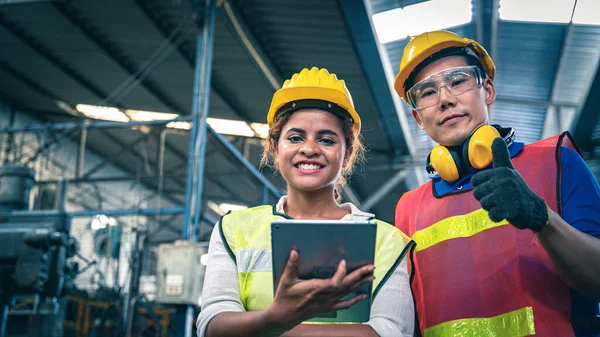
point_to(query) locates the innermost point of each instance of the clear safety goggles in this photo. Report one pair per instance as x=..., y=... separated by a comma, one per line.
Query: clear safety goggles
x=457, y=81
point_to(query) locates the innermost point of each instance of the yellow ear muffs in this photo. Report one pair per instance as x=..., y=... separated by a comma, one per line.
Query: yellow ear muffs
x=444, y=163
x=476, y=152
x=480, y=146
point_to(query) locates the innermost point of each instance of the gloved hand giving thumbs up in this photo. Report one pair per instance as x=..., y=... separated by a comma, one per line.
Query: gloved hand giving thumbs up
x=505, y=195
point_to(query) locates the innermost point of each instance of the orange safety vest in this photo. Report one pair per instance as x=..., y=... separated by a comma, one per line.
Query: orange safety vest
x=474, y=277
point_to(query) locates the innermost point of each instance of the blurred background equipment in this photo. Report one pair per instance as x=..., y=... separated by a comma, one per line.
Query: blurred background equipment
x=107, y=236
x=180, y=272
x=33, y=254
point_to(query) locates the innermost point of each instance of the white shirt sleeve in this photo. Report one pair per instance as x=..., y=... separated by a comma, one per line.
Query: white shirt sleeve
x=221, y=291
x=392, y=311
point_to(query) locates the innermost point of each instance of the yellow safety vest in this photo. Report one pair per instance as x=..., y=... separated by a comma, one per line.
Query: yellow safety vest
x=246, y=235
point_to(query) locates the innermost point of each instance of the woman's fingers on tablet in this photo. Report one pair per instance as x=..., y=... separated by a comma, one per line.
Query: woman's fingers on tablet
x=289, y=273
x=333, y=285
x=345, y=304
x=338, y=278
x=358, y=275
x=361, y=282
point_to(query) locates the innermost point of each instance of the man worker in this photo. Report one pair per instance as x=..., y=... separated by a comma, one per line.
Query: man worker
x=507, y=234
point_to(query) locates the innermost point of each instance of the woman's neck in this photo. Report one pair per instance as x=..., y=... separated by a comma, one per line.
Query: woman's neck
x=314, y=205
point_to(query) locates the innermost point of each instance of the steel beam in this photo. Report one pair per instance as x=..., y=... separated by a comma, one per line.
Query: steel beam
x=198, y=133
x=89, y=124
x=587, y=117
x=552, y=111
x=240, y=29
x=220, y=89
x=377, y=69
x=73, y=16
x=28, y=81
x=240, y=157
x=495, y=16
x=46, y=53
x=89, y=213
x=384, y=190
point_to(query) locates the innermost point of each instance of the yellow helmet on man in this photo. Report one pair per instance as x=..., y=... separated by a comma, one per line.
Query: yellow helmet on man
x=422, y=47
x=314, y=88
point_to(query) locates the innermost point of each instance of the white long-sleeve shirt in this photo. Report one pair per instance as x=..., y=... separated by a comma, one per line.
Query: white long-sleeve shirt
x=392, y=310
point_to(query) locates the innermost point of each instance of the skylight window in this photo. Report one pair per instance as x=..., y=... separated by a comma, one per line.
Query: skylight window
x=399, y=23
x=587, y=12
x=558, y=11
x=102, y=112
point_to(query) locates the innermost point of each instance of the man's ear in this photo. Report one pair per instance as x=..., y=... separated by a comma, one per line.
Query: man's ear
x=490, y=91
x=415, y=114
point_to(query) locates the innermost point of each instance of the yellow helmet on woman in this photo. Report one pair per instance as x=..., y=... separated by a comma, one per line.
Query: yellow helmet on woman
x=422, y=47
x=314, y=88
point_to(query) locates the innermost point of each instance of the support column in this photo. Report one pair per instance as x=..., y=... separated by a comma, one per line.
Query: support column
x=197, y=145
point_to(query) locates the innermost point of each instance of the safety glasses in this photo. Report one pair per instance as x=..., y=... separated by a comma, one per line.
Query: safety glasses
x=457, y=81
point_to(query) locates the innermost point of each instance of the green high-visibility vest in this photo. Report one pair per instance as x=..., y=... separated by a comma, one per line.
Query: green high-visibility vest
x=246, y=235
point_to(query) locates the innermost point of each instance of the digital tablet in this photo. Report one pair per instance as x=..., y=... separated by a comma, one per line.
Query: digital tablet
x=321, y=245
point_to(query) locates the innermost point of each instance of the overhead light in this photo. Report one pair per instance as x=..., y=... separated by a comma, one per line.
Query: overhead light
x=223, y=126
x=399, y=23
x=537, y=11
x=181, y=125
x=230, y=127
x=102, y=112
x=215, y=208
x=225, y=207
x=147, y=116
x=261, y=129
x=586, y=12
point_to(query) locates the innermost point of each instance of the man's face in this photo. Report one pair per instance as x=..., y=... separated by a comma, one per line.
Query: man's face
x=454, y=118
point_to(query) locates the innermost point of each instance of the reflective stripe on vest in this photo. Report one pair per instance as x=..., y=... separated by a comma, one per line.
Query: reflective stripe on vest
x=459, y=226
x=472, y=273
x=513, y=324
x=246, y=235
x=253, y=260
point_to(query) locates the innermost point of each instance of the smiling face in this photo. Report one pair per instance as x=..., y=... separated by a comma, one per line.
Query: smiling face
x=311, y=150
x=454, y=118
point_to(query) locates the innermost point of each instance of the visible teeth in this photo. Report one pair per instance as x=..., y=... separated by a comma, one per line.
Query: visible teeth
x=309, y=166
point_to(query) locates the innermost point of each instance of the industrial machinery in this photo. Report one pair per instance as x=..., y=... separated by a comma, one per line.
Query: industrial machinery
x=180, y=272
x=33, y=255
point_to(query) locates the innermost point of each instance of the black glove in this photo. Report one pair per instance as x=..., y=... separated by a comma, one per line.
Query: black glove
x=505, y=195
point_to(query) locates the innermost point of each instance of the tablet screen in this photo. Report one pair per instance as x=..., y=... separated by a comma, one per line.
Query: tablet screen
x=321, y=245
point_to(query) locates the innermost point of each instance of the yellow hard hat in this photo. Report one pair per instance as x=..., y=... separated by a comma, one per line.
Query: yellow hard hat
x=314, y=84
x=427, y=44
